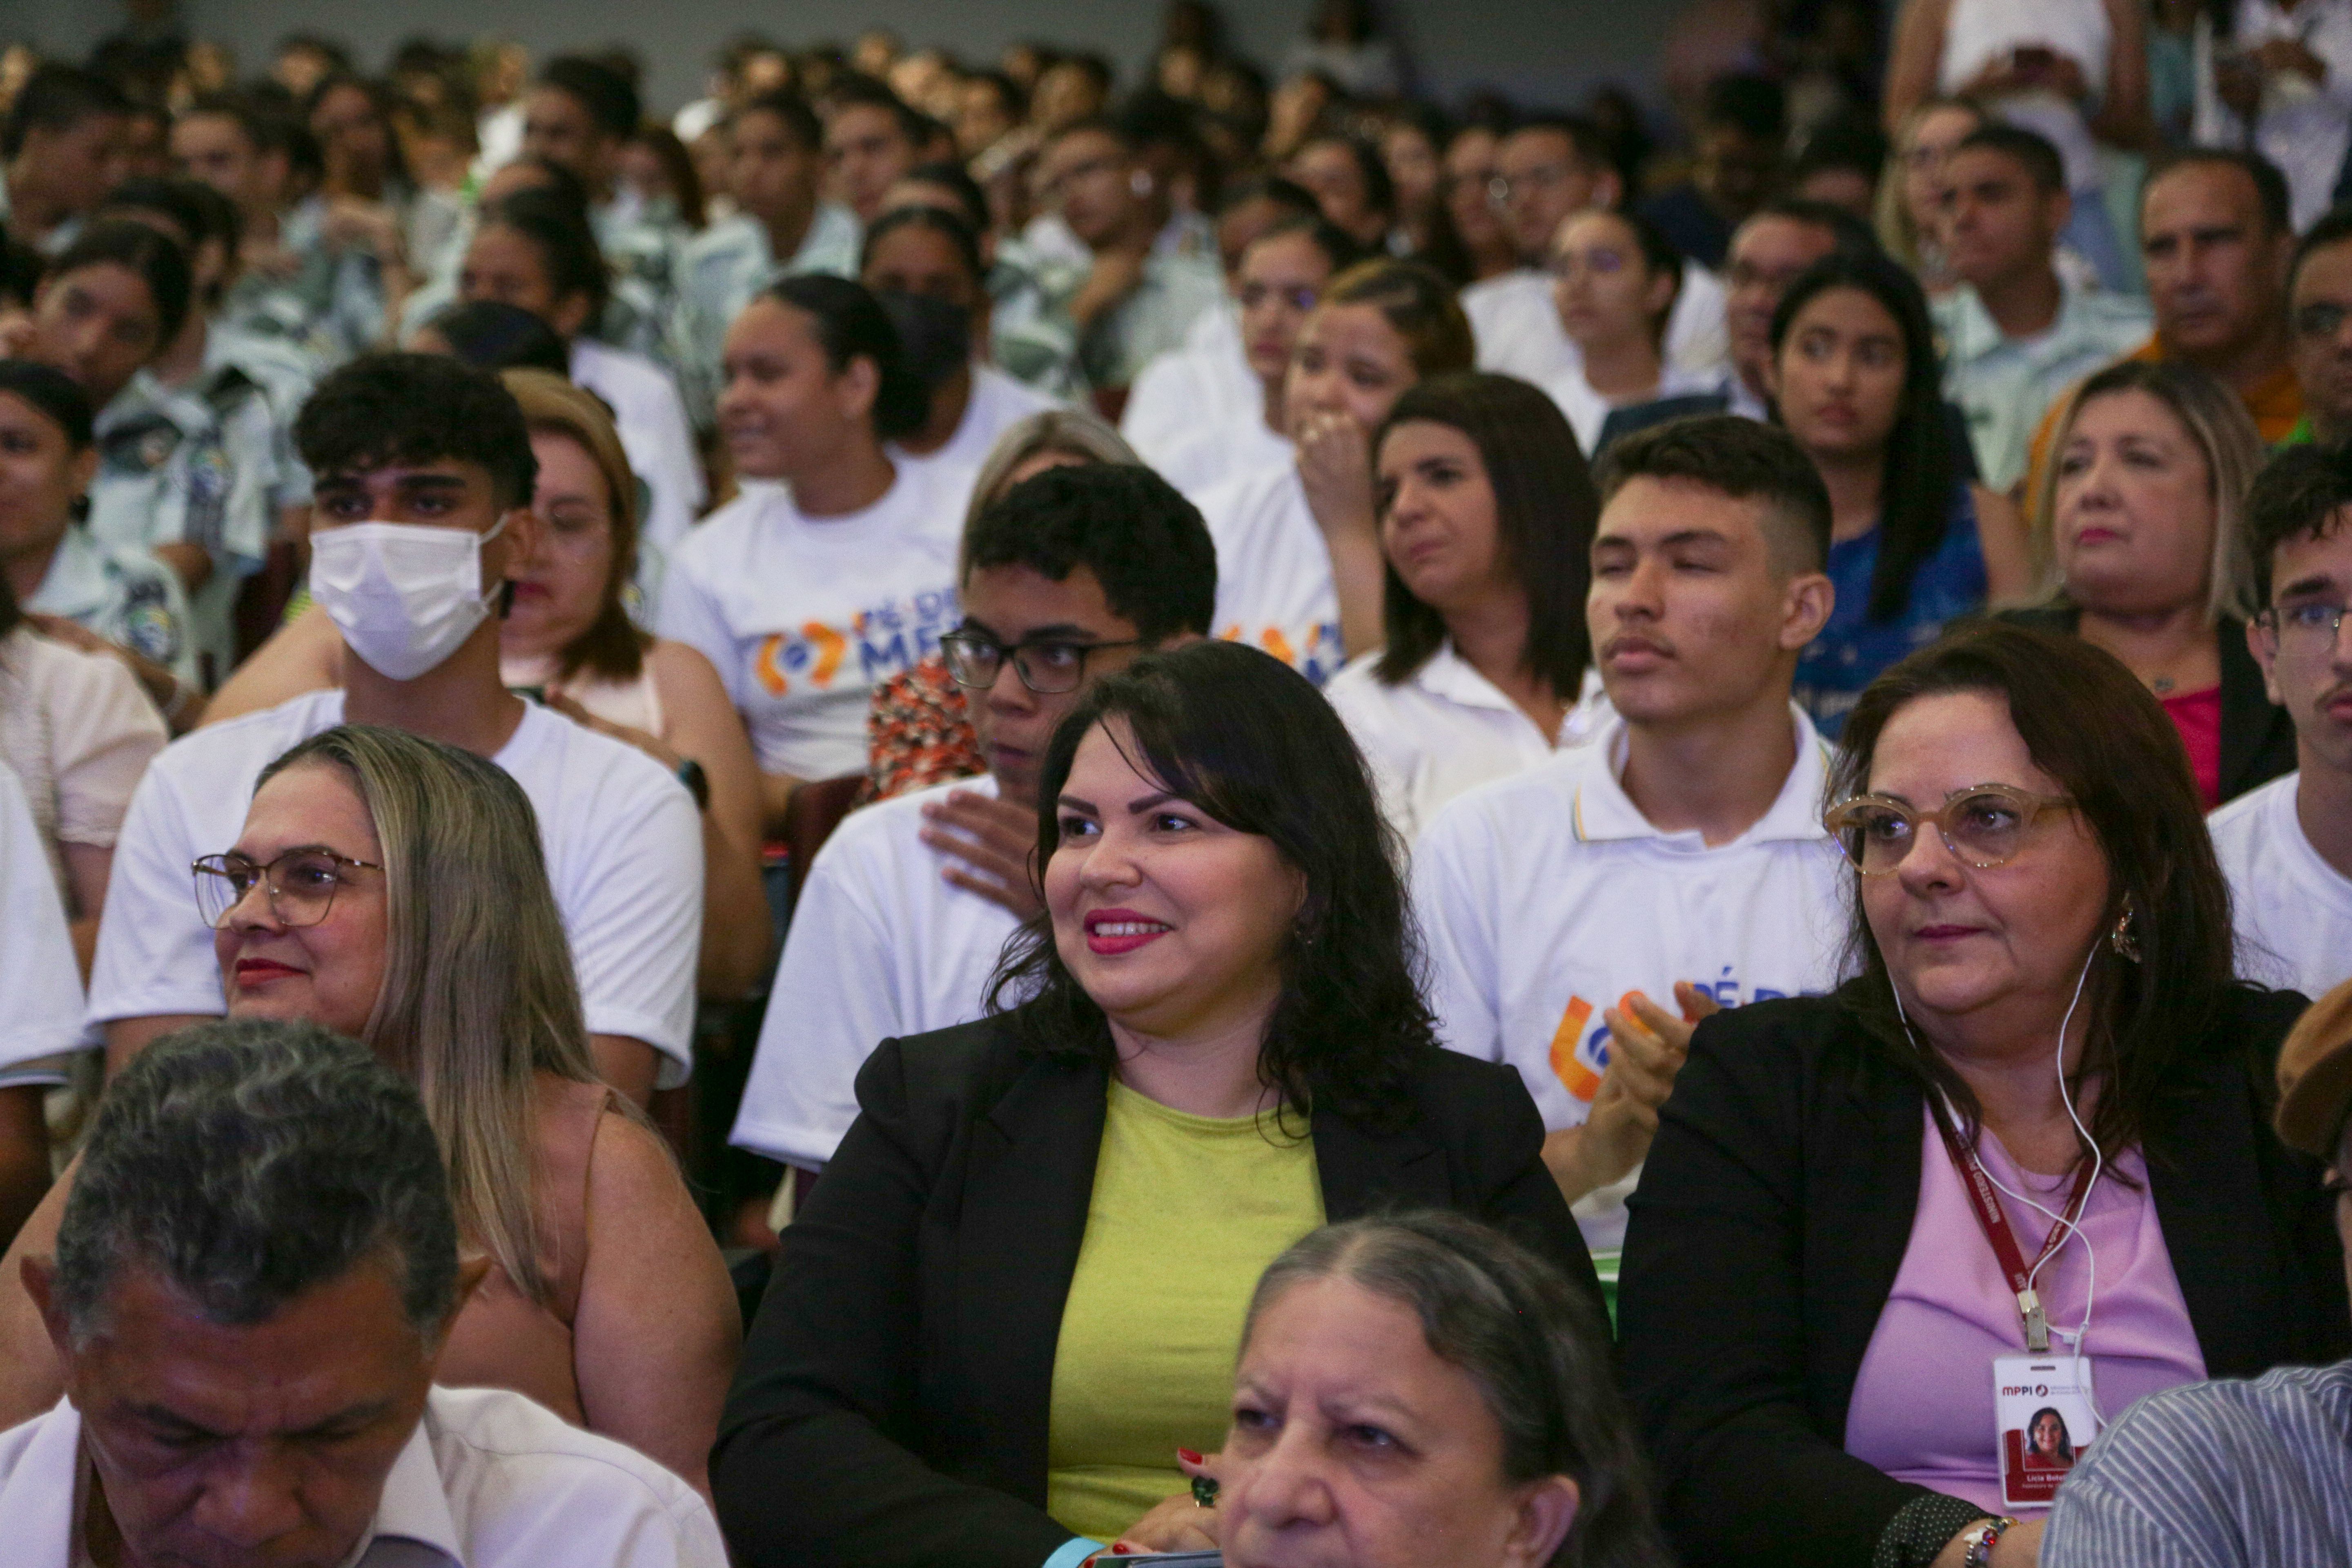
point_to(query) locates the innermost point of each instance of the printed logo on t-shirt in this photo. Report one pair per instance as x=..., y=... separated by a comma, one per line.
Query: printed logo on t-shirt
x=1319, y=659
x=878, y=644
x=1579, y=1056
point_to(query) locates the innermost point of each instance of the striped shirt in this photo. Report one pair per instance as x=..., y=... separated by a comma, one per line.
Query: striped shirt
x=2216, y=1473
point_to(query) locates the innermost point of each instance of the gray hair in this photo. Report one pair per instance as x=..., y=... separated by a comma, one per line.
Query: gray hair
x=1537, y=1352
x=247, y=1162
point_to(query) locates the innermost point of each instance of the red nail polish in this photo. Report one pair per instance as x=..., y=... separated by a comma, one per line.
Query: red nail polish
x=1188, y=1456
x=1119, y=1549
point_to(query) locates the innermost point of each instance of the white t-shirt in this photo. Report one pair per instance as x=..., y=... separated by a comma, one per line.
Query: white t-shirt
x=37, y=972
x=1587, y=411
x=1274, y=588
x=2291, y=910
x=624, y=849
x=1198, y=463
x=1519, y=330
x=1443, y=730
x=1208, y=382
x=803, y=616
x=882, y=945
x=650, y=418
x=487, y=1479
x=1545, y=897
x=998, y=402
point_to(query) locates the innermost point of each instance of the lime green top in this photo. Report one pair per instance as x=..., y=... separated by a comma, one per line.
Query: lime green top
x=1186, y=1212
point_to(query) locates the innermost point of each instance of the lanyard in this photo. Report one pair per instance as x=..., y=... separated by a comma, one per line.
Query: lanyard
x=1985, y=1199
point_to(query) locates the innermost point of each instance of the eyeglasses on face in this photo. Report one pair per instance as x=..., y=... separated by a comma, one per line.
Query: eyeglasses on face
x=1048, y=666
x=2303, y=631
x=1984, y=826
x=299, y=884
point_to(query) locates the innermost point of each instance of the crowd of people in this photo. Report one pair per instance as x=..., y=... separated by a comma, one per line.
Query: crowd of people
x=951, y=812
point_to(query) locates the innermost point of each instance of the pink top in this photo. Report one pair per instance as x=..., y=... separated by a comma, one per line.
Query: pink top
x=2198, y=716
x=1923, y=1405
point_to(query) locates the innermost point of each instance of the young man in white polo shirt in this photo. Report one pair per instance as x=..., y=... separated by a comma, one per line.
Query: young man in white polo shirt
x=424, y=473
x=1582, y=916
x=2286, y=847
x=1071, y=575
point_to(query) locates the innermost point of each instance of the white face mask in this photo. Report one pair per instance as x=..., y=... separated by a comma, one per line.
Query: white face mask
x=403, y=595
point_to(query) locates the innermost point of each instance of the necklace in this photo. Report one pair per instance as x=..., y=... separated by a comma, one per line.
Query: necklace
x=2161, y=685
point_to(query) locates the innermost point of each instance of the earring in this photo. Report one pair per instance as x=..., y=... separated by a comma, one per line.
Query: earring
x=2125, y=944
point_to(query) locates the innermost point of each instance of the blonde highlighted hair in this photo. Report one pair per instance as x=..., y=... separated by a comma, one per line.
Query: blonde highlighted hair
x=2217, y=420
x=613, y=645
x=478, y=995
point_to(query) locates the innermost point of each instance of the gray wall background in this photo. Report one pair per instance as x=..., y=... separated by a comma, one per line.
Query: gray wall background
x=1538, y=51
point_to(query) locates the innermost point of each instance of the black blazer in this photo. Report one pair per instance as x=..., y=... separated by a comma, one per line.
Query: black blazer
x=892, y=1404
x=1773, y=1216
x=2257, y=734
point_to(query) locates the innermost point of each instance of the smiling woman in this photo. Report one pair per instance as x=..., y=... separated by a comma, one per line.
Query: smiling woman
x=1207, y=1042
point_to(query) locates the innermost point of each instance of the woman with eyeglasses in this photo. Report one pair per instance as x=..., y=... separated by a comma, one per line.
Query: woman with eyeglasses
x=392, y=889
x=1003, y=1327
x=1282, y=274
x=2042, y=1070
x=2139, y=525
x=1615, y=277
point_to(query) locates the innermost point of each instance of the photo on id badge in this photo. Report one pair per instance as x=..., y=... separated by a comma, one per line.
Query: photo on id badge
x=2045, y=1419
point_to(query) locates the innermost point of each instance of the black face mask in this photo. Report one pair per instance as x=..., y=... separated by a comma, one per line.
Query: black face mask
x=934, y=336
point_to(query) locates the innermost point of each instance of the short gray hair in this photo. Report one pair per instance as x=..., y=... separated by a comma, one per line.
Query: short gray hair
x=1537, y=1351
x=248, y=1161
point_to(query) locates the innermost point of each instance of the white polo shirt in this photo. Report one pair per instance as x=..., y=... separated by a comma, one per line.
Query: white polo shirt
x=882, y=944
x=487, y=1479
x=1545, y=897
x=1443, y=730
x=803, y=616
x=2291, y=910
x=37, y=972
x=1516, y=323
x=1274, y=588
x=624, y=849
x=1207, y=382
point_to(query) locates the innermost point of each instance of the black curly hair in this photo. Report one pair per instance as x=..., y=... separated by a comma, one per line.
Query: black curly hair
x=386, y=408
x=1251, y=742
x=1145, y=544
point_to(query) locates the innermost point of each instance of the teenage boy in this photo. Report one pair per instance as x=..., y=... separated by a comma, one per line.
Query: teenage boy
x=64, y=143
x=439, y=452
x=2017, y=335
x=2286, y=847
x=1071, y=576
x=1582, y=916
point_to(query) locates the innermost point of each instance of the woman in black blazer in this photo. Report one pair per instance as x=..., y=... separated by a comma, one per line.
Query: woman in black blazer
x=1223, y=937
x=2031, y=866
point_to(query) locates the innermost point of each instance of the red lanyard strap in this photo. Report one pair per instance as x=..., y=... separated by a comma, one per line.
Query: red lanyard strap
x=1985, y=1199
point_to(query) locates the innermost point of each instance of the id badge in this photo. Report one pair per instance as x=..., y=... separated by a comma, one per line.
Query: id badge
x=2043, y=1420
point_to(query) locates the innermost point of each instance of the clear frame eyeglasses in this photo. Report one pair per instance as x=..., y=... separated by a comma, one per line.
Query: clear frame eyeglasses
x=300, y=884
x=1983, y=825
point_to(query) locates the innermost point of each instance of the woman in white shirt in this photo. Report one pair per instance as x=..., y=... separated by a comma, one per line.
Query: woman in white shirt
x=1282, y=274
x=536, y=248
x=1614, y=280
x=1486, y=515
x=807, y=592
x=924, y=263
x=1299, y=548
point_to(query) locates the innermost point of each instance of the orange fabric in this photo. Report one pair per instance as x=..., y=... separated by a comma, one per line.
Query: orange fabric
x=2275, y=402
x=502, y=1339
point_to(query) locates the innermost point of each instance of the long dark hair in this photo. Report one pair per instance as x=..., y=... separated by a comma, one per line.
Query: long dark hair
x=560, y=231
x=1251, y=742
x=1914, y=495
x=2089, y=723
x=1537, y=1352
x=1545, y=512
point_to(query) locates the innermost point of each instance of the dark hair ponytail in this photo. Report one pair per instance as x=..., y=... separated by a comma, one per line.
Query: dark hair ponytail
x=851, y=324
x=561, y=232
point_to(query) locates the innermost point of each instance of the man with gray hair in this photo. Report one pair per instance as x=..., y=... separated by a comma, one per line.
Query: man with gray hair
x=254, y=1277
